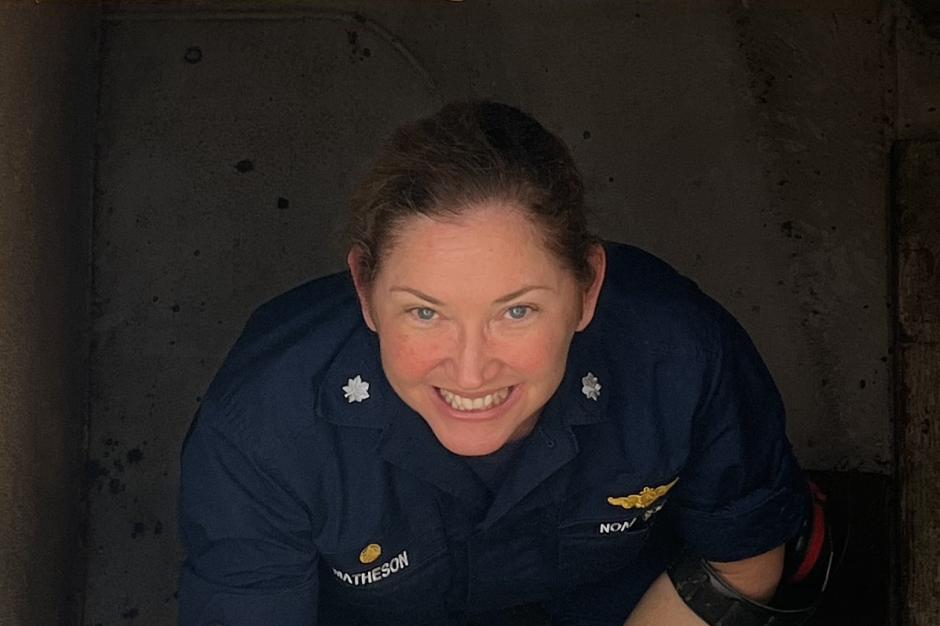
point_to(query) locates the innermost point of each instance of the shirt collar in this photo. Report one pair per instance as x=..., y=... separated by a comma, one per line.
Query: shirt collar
x=407, y=441
x=587, y=363
x=359, y=356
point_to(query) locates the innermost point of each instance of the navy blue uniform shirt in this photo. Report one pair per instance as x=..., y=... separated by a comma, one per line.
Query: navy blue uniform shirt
x=300, y=506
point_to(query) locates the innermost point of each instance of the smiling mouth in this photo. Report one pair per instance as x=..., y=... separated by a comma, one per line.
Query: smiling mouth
x=480, y=403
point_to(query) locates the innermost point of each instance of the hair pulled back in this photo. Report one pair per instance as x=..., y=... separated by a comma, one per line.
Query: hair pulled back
x=466, y=154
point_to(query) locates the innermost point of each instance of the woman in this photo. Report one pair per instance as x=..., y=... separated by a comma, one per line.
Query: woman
x=493, y=418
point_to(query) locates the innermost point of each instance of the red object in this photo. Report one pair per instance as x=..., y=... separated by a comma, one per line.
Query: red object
x=816, y=539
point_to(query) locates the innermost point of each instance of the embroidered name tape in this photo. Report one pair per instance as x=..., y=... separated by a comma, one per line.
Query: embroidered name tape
x=376, y=574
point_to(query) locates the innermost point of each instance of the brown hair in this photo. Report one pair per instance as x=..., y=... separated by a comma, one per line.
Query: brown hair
x=467, y=153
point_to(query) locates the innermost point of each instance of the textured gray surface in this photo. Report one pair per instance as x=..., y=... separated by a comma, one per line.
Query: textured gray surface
x=917, y=57
x=917, y=231
x=47, y=111
x=917, y=220
x=746, y=146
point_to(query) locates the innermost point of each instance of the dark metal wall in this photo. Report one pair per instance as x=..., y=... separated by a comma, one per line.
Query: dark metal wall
x=746, y=145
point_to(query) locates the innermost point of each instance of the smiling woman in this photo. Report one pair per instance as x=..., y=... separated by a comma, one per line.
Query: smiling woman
x=493, y=418
x=475, y=318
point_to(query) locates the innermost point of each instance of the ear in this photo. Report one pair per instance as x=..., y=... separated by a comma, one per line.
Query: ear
x=598, y=260
x=354, y=261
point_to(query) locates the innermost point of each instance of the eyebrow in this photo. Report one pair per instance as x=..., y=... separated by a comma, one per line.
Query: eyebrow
x=500, y=300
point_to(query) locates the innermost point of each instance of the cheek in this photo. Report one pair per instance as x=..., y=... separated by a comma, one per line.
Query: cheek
x=407, y=358
x=540, y=355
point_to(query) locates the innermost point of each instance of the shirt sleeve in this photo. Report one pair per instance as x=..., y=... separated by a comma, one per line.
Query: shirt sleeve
x=250, y=558
x=742, y=492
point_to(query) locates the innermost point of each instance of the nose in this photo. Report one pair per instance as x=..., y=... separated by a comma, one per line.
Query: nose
x=473, y=365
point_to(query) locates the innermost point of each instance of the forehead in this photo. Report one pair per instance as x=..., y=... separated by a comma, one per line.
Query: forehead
x=491, y=241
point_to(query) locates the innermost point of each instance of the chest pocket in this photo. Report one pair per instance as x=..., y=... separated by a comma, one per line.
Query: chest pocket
x=402, y=571
x=597, y=537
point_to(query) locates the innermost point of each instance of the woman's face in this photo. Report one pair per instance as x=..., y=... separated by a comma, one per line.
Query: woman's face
x=475, y=317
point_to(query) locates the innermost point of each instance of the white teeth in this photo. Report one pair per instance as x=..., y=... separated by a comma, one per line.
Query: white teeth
x=475, y=404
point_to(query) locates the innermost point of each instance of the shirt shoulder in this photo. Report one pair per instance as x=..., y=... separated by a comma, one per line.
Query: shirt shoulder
x=268, y=382
x=655, y=345
x=647, y=306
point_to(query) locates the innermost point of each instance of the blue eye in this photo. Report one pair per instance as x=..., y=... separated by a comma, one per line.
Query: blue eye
x=424, y=314
x=518, y=312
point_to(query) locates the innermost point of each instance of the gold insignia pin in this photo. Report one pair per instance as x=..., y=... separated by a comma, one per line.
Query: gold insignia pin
x=641, y=500
x=370, y=553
